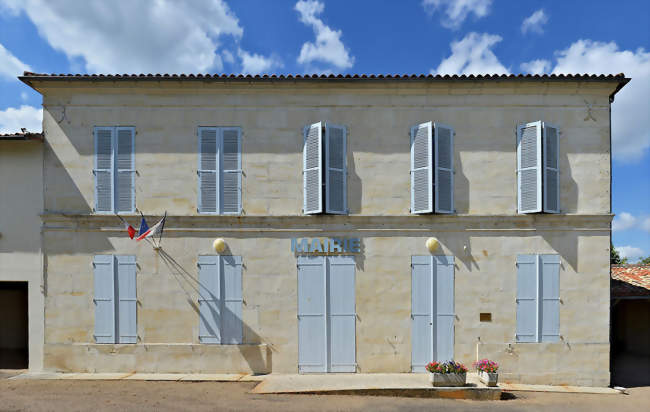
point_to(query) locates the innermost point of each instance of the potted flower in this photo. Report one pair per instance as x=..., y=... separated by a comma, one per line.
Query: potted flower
x=487, y=371
x=447, y=373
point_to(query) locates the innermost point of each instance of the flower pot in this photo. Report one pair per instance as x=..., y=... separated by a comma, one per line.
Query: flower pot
x=447, y=379
x=489, y=379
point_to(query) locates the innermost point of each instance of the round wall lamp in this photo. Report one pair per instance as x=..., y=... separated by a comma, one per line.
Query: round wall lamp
x=219, y=245
x=432, y=244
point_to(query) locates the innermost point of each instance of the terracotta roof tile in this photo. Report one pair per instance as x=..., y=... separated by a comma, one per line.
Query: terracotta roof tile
x=630, y=280
x=22, y=135
x=216, y=76
x=620, y=78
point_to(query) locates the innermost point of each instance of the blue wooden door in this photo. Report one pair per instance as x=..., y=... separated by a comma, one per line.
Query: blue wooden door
x=432, y=310
x=341, y=314
x=443, y=295
x=421, y=313
x=312, y=339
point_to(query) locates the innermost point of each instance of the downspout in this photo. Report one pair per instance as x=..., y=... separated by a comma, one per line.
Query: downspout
x=611, y=244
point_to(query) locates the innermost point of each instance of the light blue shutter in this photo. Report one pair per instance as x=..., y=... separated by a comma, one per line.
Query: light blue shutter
x=231, y=170
x=231, y=311
x=312, y=169
x=422, y=168
x=529, y=167
x=551, y=169
x=127, y=300
x=104, y=274
x=312, y=340
x=103, y=169
x=527, y=298
x=421, y=313
x=444, y=168
x=342, y=314
x=336, y=169
x=207, y=170
x=443, y=267
x=550, y=295
x=209, y=300
x=125, y=165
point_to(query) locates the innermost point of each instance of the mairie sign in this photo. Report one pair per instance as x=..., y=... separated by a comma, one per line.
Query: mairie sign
x=327, y=245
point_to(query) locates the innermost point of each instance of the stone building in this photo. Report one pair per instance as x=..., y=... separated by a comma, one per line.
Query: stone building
x=21, y=263
x=369, y=223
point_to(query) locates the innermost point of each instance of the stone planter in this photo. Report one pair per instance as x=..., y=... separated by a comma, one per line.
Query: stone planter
x=447, y=379
x=489, y=379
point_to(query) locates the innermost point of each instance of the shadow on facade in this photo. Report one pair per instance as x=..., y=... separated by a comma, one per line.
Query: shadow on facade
x=193, y=290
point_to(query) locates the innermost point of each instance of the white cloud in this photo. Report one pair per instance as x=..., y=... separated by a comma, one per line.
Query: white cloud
x=28, y=117
x=630, y=129
x=456, y=11
x=624, y=221
x=256, y=64
x=539, y=66
x=630, y=252
x=228, y=57
x=328, y=47
x=10, y=65
x=134, y=36
x=534, y=22
x=645, y=224
x=473, y=55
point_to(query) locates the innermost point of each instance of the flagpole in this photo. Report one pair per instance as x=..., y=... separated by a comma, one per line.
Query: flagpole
x=162, y=228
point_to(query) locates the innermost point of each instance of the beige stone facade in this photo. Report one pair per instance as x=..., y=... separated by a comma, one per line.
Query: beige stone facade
x=485, y=235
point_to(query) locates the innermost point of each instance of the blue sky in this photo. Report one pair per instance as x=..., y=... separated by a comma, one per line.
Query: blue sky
x=343, y=36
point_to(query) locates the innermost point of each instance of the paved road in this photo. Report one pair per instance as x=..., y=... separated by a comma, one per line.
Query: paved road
x=96, y=396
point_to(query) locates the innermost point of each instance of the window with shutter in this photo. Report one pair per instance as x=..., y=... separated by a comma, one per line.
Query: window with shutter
x=444, y=168
x=324, y=170
x=432, y=168
x=549, y=266
x=220, y=299
x=125, y=170
x=127, y=299
x=104, y=300
x=230, y=170
x=207, y=170
x=422, y=168
x=336, y=169
x=538, y=298
x=219, y=170
x=551, y=184
x=115, y=299
x=312, y=169
x=231, y=312
x=529, y=173
x=103, y=169
x=114, y=169
x=538, y=170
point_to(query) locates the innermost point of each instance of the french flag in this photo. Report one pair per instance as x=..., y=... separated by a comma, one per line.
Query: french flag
x=155, y=229
x=130, y=229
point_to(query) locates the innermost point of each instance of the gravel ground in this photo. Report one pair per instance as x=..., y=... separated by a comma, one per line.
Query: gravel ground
x=96, y=396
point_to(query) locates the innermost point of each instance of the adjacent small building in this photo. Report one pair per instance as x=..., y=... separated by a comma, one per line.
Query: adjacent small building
x=327, y=223
x=22, y=286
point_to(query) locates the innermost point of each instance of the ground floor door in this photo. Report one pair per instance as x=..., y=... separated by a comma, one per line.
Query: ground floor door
x=326, y=314
x=432, y=310
x=14, y=335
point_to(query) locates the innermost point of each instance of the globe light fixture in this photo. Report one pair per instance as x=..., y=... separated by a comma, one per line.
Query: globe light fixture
x=219, y=245
x=432, y=244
